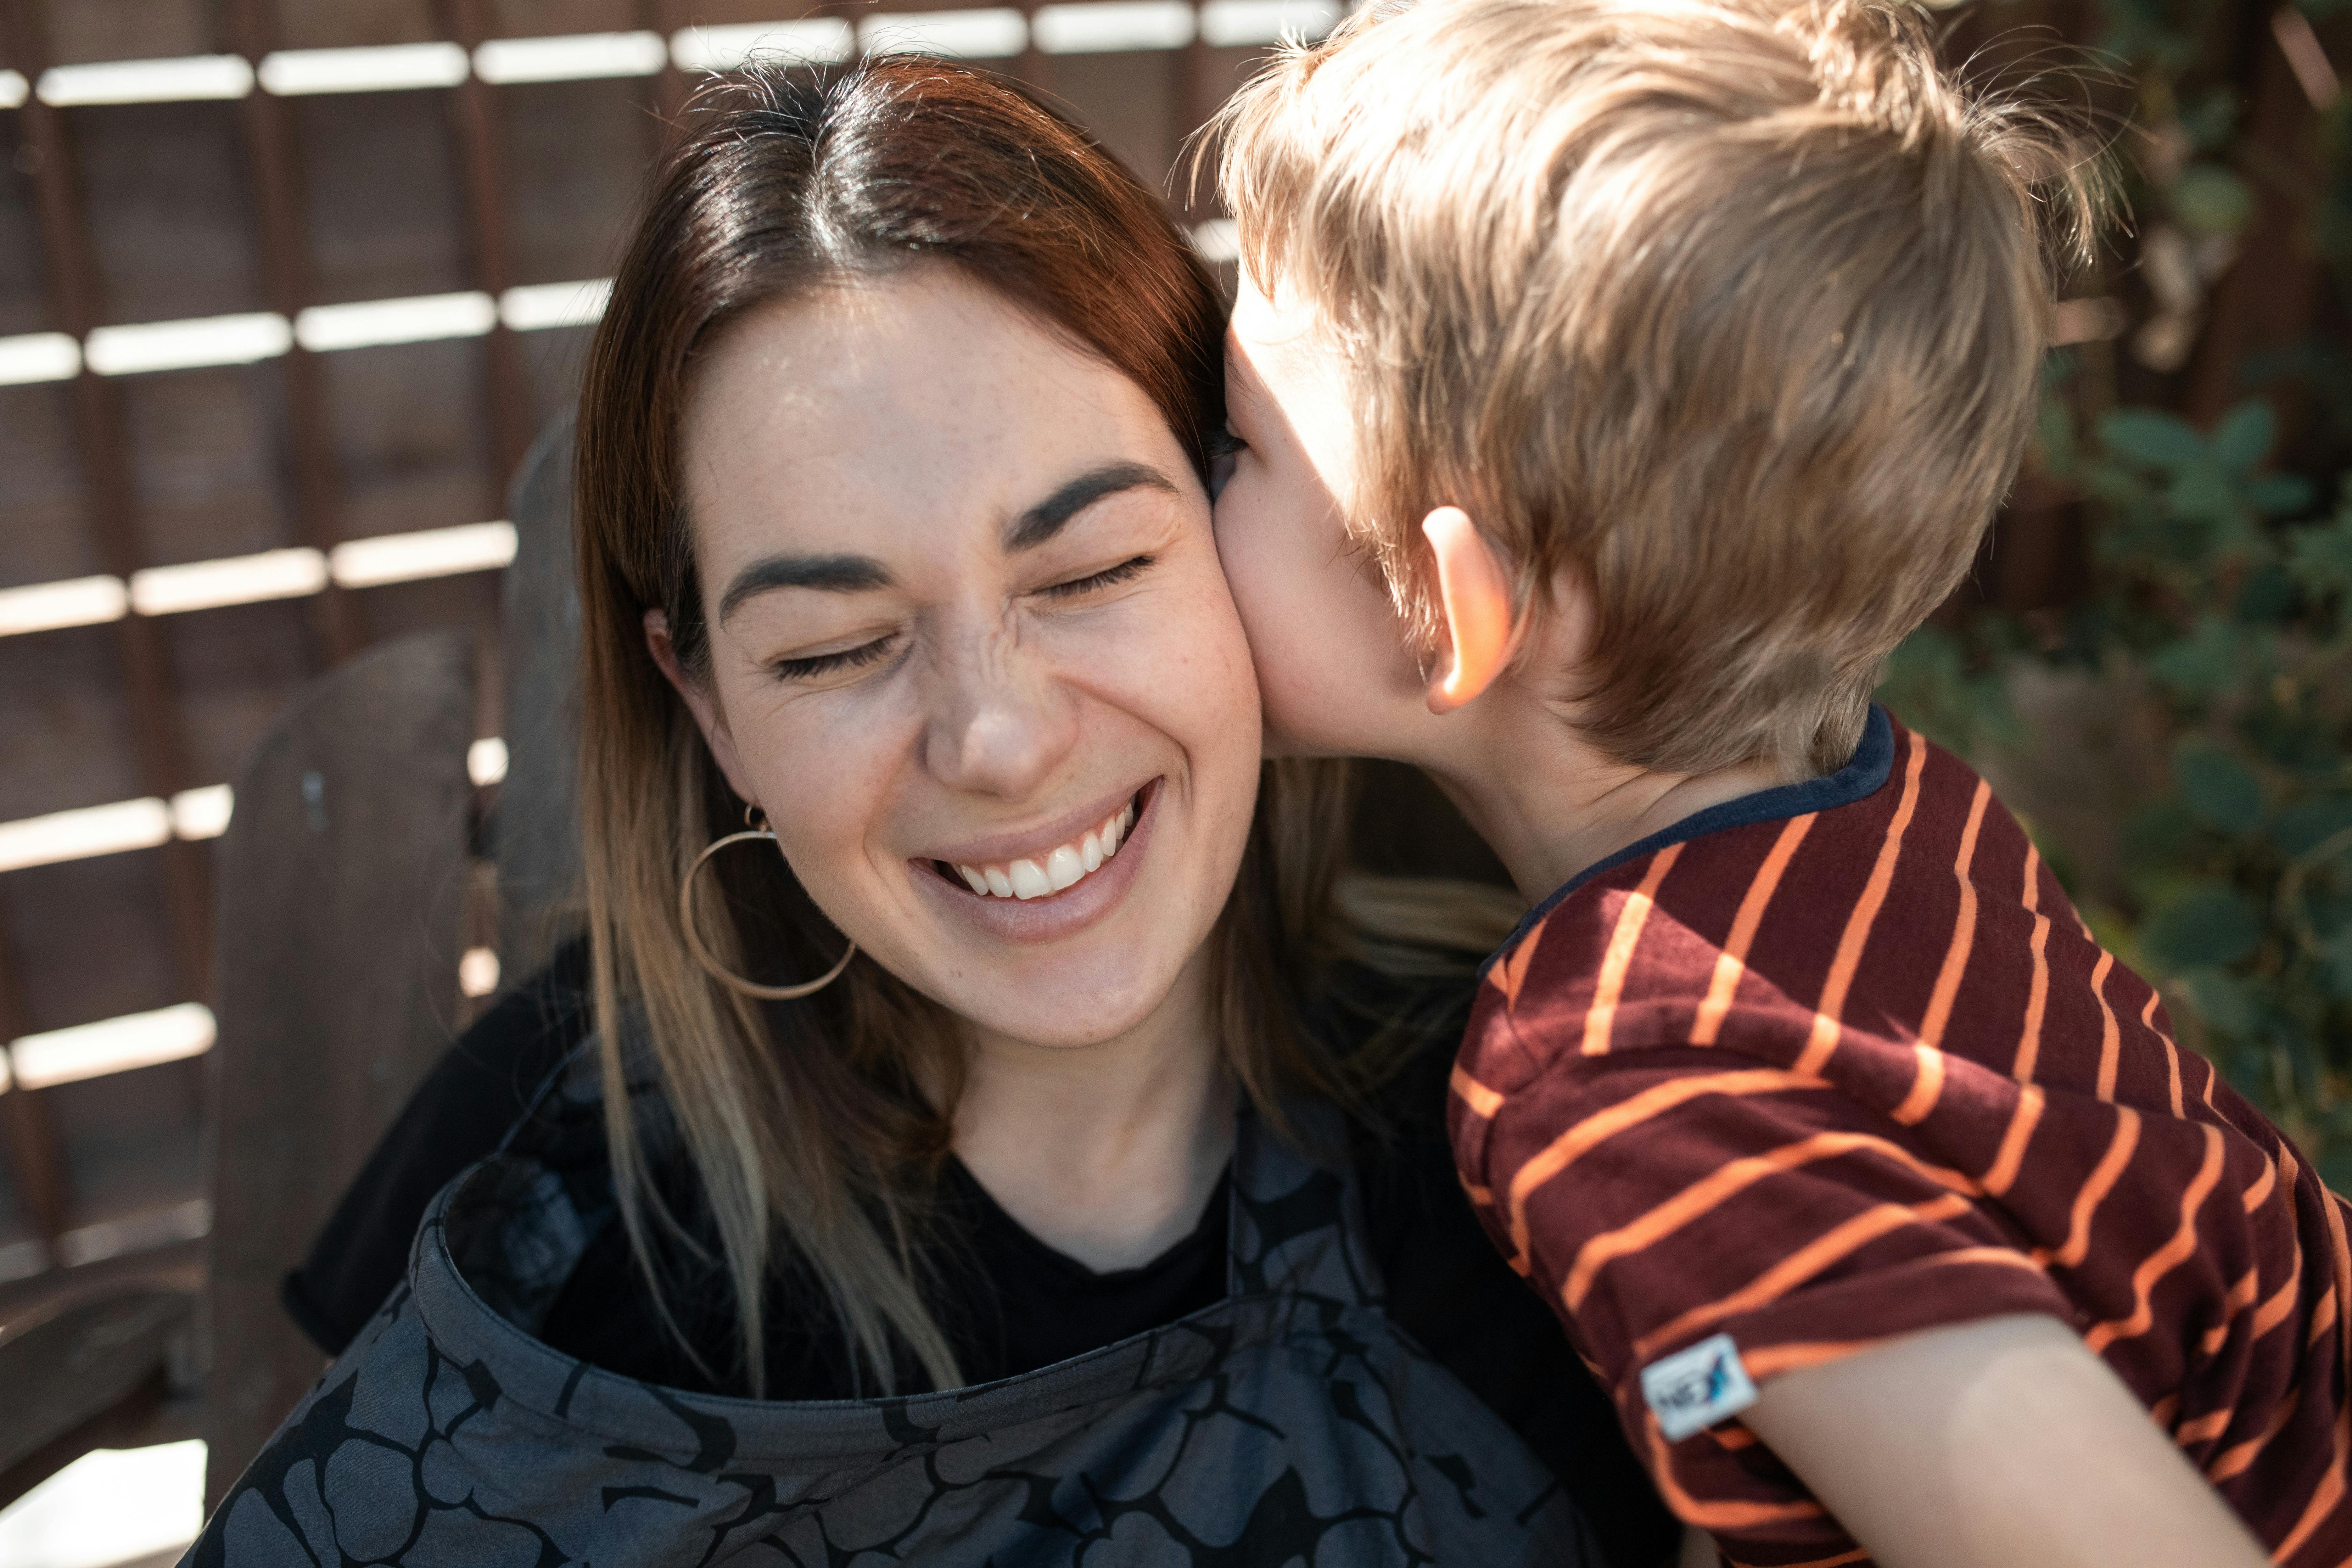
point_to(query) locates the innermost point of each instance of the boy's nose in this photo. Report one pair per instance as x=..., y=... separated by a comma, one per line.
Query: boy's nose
x=1000, y=723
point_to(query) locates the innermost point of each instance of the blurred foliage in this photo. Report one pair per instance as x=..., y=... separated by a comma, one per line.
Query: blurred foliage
x=2209, y=651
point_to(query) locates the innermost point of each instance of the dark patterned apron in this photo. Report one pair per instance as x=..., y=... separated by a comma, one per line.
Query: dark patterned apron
x=1291, y=1423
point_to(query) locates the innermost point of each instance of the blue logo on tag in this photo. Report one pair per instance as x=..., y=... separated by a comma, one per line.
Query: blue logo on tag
x=1697, y=1386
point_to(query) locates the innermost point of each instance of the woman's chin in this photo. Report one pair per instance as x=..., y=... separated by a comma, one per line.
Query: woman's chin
x=1065, y=1011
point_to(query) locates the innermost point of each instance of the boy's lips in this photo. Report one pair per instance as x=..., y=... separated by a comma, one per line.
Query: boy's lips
x=1037, y=860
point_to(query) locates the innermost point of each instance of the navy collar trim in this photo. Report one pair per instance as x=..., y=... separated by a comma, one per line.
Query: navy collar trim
x=1873, y=759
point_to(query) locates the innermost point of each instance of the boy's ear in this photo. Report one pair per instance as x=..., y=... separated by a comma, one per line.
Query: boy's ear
x=1476, y=593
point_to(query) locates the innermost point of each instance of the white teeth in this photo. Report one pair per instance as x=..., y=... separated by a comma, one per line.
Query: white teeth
x=1064, y=866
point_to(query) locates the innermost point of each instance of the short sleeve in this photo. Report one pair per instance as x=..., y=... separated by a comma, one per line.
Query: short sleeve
x=1662, y=1196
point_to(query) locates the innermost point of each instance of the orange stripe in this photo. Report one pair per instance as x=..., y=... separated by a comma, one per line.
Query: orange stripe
x=2022, y=1122
x=1482, y=1101
x=2006, y=1256
x=2323, y=1497
x=2240, y=1296
x=2204, y=1429
x=1774, y=1360
x=1702, y=1197
x=2095, y=1191
x=1964, y=928
x=1732, y=962
x=2274, y=1312
x=2029, y=1041
x=1510, y=972
x=2282, y=1302
x=1712, y=1515
x=2165, y=1258
x=2323, y=1318
x=1926, y=1085
x=2171, y=1051
x=1839, y=1241
x=2335, y=1206
x=1827, y=1018
x=2261, y=1187
x=2110, y=1037
x=2233, y=1460
x=1602, y=1016
x=1630, y=1112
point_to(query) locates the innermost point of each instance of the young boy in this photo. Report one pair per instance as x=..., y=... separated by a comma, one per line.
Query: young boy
x=1621, y=381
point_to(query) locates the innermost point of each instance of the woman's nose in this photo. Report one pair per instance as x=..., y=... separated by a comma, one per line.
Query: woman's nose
x=1001, y=722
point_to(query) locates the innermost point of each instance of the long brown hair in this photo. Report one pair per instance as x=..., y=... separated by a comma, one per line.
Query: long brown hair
x=803, y=1122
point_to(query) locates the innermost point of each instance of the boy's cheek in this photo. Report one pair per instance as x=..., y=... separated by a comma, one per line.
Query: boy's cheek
x=1330, y=664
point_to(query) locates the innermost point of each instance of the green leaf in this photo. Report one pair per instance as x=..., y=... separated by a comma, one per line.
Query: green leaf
x=2268, y=596
x=2158, y=833
x=2221, y=790
x=2204, y=492
x=2244, y=436
x=2307, y=824
x=2207, y=923
x=2280, y=495
x=2212, y=117
x=2320, y=556
x=2209, y=199
x=2152, y=438
x=2222, y=1000
x=2203, y=664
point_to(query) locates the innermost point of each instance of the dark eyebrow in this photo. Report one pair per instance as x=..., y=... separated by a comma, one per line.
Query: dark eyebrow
x=1045, y=519
x=825, y=573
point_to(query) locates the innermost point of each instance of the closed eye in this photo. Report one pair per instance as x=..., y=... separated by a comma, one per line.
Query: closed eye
x=823, y=664
x=1125, y=572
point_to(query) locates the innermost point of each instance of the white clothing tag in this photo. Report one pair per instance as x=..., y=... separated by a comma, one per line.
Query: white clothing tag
x=1696, y=1386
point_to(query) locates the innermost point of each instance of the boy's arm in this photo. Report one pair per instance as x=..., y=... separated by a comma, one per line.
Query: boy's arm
x=2002, y=1443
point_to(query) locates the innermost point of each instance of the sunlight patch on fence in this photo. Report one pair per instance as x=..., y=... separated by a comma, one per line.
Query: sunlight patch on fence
x=112, y=1046
x=39, y=357
x=576, y=57
x=392, y=67
x=186, y=79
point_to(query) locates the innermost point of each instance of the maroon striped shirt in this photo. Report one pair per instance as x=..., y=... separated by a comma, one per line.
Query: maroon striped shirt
x=1819, y=1080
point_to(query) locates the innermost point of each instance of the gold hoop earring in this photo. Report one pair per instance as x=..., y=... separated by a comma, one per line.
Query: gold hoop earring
x=711, y=966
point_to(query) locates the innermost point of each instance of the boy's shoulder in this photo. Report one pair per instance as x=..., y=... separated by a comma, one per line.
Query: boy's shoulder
x=1894, y=904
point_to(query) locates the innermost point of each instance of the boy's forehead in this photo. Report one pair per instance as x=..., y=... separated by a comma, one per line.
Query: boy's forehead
x=1283, y=318
x=1278, y=350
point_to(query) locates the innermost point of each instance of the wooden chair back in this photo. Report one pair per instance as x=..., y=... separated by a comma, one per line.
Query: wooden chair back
x=342, y=877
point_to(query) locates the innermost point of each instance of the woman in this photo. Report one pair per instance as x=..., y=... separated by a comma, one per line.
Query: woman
x=1025, y=1224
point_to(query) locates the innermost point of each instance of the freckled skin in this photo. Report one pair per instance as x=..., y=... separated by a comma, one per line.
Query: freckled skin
x=908, y=421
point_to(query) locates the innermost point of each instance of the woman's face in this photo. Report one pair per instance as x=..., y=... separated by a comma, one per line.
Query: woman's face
x=967, y=625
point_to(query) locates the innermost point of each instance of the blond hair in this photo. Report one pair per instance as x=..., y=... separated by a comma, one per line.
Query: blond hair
x=1733, y=308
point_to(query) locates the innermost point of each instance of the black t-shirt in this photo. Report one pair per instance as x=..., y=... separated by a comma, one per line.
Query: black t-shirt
x=1008, y=1302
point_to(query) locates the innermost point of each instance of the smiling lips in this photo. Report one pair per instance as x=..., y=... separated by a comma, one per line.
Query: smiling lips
x=1063, y=866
